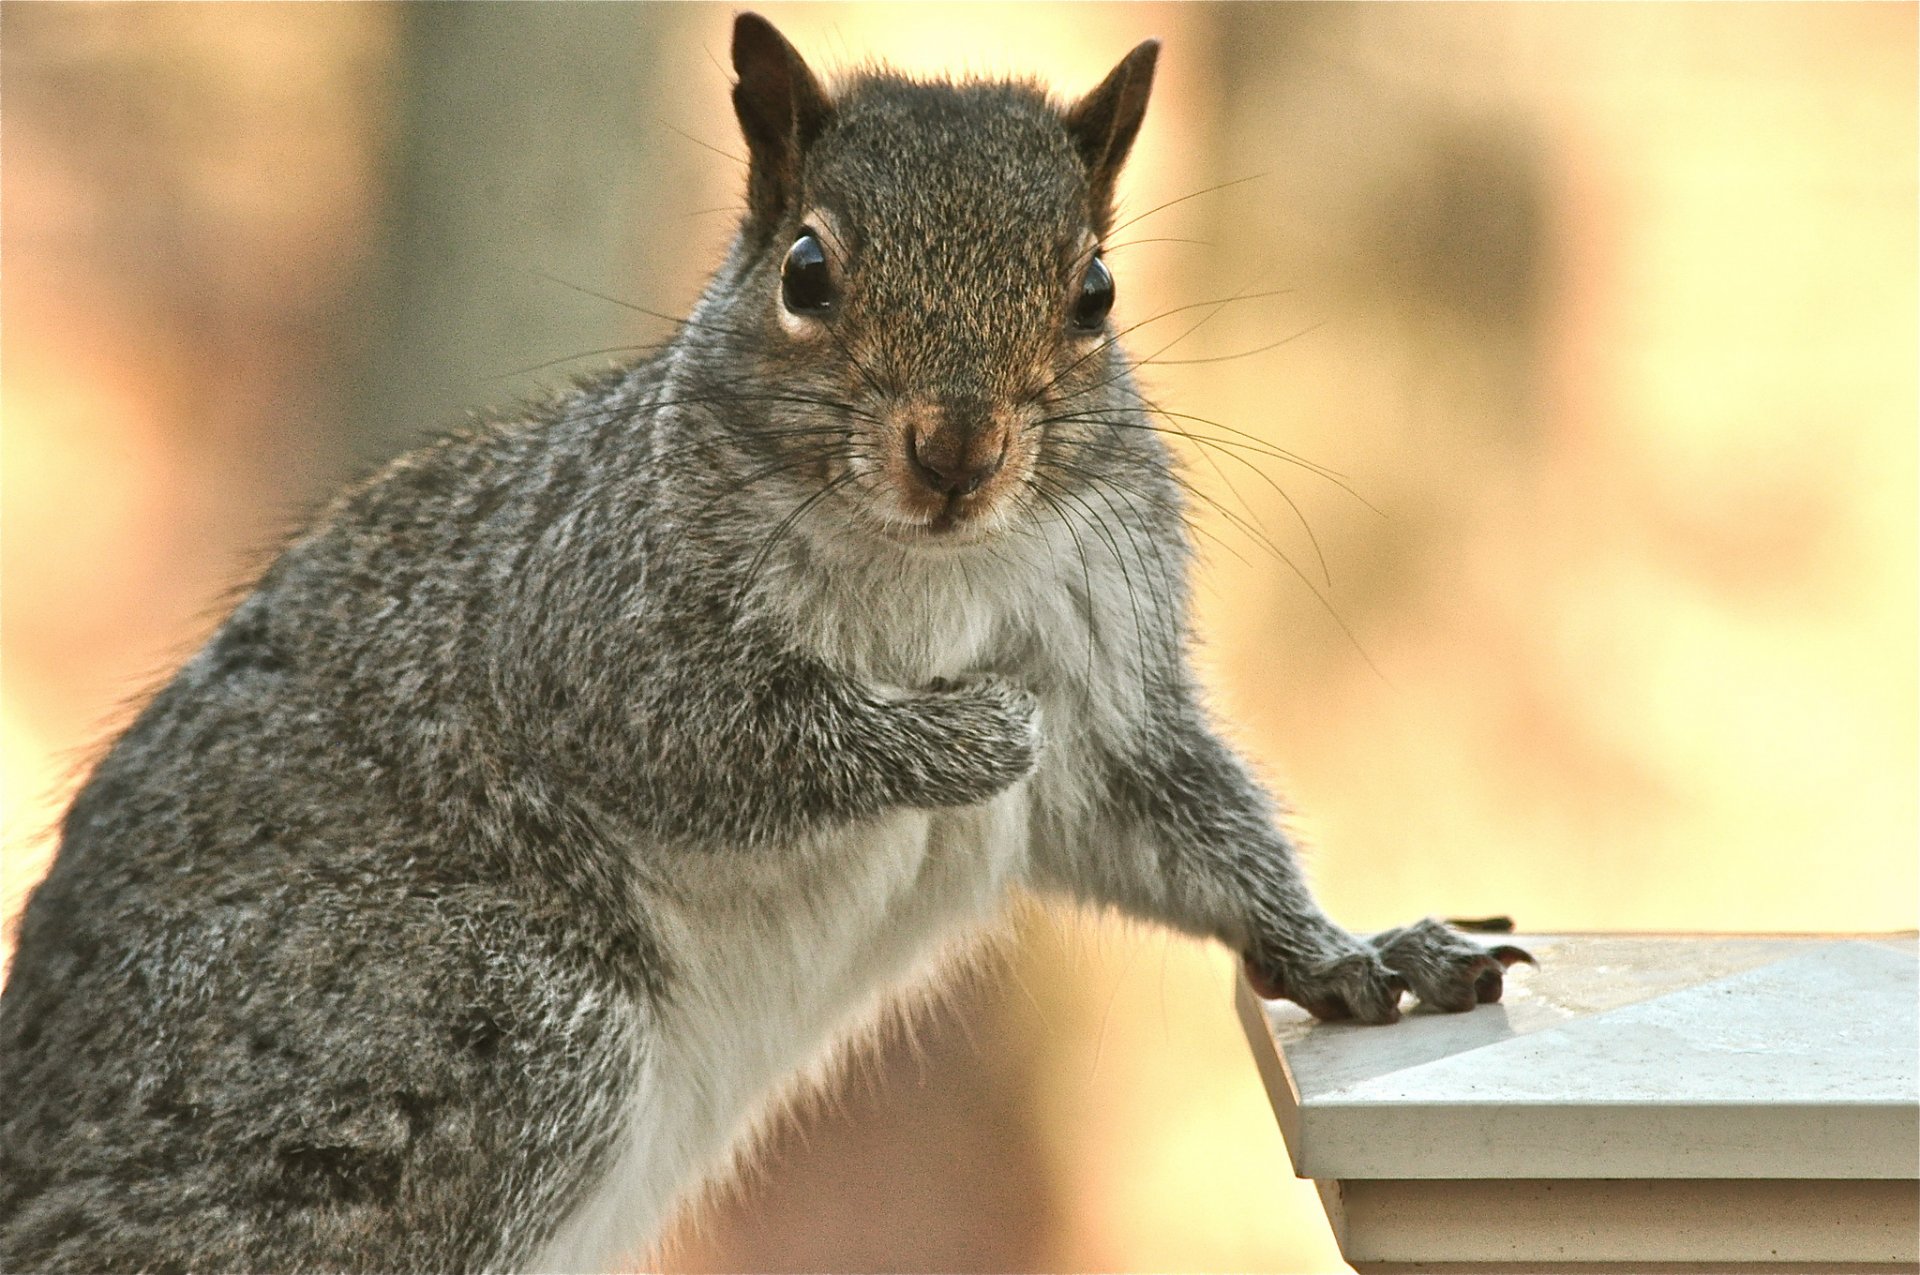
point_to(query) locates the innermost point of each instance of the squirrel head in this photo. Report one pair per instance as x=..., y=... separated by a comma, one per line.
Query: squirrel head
x=920, y=267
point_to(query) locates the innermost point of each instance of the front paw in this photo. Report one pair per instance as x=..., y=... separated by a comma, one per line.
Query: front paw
x=1351, y=982
x=989, y=730
x=1445, y=968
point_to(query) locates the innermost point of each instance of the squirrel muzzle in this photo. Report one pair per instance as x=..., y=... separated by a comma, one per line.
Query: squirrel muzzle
x=953, y=462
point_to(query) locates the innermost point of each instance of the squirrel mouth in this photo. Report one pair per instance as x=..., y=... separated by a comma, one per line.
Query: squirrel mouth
x=945, y=514
x=951, y=526
x=960, y=520
x=950, y=518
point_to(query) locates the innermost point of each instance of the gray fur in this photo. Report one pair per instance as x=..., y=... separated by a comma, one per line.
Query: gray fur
x=581, y=777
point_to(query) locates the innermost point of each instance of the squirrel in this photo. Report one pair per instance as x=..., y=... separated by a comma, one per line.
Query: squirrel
x=579, y=780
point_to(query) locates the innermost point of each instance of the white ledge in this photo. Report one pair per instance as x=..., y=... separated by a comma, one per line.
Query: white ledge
x=1620, y=1057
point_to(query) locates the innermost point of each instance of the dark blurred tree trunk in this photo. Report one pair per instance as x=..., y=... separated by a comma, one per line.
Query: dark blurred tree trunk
x=530, y=140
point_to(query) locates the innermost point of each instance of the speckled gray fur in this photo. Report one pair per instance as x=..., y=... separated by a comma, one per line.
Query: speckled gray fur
x=582, y=777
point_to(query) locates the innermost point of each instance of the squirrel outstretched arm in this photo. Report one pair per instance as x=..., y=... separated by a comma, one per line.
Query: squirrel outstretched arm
x=1189, y=839
x=1186, y=838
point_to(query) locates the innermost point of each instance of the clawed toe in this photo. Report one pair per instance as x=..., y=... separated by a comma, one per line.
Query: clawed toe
x=1354, y=987
x=1447, y=970
x=1443, y=968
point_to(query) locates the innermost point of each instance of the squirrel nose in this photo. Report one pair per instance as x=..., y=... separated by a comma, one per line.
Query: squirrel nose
x=955, y=463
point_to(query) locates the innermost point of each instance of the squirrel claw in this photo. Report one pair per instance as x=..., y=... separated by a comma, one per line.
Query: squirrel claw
x=1446, y=969
x=1354, y=986
x=1440, y=966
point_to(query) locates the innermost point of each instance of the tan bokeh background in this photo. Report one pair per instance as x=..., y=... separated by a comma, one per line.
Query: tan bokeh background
x=1608, y=313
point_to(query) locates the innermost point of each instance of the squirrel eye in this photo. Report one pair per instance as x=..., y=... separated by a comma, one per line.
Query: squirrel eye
x=1095, y=297
x=804, y=285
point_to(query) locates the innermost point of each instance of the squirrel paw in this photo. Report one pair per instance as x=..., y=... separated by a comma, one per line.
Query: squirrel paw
x=1445, y=968
x=1439, y=965
x=990, y=731
x=1353, y=984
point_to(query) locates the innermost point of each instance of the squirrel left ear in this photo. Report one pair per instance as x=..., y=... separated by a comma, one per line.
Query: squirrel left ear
x=1104, y=123
x=781, y=108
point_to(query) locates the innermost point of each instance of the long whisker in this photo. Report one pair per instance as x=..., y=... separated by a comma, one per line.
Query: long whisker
x=1094, y=639
x=1161, y=591
x=637, y=309
x=584, y=354
x=1128, y=243
x=1174, y=431
x=1326, y=573
x=786, y=465
x=709, y=399
x=1238, y=181
x=1325, y=603
x=1206, y=498
x=722, y=152
x=1333, y=476
x=1109, y=342
x=753, y=570
x=1240, y=354
x=1253, y=444
x=1098, y=525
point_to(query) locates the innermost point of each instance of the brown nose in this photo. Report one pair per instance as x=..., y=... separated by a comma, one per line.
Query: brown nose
x=956, y=462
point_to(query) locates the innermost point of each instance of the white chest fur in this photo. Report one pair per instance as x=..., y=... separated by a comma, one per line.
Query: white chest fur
x=780, y=959
x=774, y=974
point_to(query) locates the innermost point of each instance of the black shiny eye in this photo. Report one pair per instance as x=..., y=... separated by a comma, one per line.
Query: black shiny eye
x=805, y=287
x=1095, y=297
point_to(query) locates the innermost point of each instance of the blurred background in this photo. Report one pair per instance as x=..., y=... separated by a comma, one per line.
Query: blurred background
x=1607, y=315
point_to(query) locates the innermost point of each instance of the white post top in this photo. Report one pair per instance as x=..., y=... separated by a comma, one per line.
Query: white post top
x=1620, y=1057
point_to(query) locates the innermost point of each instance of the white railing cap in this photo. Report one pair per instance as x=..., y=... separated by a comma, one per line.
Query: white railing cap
x=1621, y=1056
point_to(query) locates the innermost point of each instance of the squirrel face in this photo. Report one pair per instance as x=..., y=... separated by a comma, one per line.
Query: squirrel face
x=922, y=263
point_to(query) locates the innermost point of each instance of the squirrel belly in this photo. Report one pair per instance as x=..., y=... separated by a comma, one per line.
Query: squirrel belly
x=787, y=957
x=778, y=994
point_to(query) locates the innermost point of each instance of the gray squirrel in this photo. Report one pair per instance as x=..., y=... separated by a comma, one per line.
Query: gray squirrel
x=579, y=780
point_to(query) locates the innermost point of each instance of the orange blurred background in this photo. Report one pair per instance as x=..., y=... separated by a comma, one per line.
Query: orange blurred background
x=1609, y=314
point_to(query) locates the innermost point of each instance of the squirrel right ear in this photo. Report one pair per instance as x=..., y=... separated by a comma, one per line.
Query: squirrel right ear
x=782, y=108
x=1104, y=122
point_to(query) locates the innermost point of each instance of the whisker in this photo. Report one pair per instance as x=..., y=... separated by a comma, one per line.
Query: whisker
x=722, y=152
x=788, y=464
x=1326, y=573
x=584, y=354
x=1333, y=476
x=1109, y=342
x=1128, y=243
x=1098, y=525
x=636, y=308
x=1325, y=603
x=753, y=570
x=1238, y=181
x=1160, y=590
x=1094, y=640
x=1253, y=444
x=1193, y=527
x=1243, y=354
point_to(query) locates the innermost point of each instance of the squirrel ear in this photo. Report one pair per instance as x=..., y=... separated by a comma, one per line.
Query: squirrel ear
x=782, y=108
x=1104, y=122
